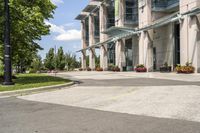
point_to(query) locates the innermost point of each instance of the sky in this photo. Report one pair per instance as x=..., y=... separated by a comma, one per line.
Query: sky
x=65, y=31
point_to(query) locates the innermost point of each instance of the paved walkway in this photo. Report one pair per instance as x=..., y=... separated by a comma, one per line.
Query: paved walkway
x=106, y=102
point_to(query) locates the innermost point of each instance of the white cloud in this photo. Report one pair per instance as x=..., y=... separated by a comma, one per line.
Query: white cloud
x=56, y=2
x=64, y=35
x=70, y=35
x=56, y=29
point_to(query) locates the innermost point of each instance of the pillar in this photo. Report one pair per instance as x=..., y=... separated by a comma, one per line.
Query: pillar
x=189, y=35
x=103, y=37
x=120, y=54
x=91, y=42
x=145, y=38
x=83, y=59
x=120, y=44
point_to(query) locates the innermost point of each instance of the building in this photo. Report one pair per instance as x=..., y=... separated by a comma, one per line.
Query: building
x=149, y=32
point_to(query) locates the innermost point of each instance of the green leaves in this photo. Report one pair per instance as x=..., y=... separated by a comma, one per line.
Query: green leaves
x=60, y=59
x=27, y=28
x=49, y=62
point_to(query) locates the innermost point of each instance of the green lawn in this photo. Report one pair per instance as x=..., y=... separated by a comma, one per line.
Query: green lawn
x=25, y=81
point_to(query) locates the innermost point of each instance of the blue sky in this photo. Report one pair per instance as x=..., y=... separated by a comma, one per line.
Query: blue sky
x=65, y=31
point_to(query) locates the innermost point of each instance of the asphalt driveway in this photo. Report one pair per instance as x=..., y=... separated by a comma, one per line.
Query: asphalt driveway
x=108, y=103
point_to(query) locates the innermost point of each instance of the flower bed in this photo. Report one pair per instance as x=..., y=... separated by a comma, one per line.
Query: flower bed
x=140, y=68
x=187, y=69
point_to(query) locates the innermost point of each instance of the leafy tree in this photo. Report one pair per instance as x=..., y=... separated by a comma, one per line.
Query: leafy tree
x=60, y=59
x=49, y=61
x=27, y=27
x=36, y=65
x=71, y=62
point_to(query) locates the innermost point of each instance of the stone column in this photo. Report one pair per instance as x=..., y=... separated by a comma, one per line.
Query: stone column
x=120, y=44
x=145, y=38
x=120, y=54
x=189, y=35
x=91, y=42
x=83, y=59
x=103, y=37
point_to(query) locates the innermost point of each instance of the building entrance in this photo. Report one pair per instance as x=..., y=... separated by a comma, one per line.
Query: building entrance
x=154, y=59
x=129, y=55
x=111, y=54
x=177, y=44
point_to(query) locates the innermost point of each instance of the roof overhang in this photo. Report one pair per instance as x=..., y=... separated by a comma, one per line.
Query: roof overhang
x=82, y=16
x=113, y=31
x=91, y=6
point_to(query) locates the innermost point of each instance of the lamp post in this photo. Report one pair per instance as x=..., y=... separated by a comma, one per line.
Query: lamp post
x=7, y=47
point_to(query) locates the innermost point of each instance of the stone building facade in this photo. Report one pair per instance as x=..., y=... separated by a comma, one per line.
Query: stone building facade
x=149, y=32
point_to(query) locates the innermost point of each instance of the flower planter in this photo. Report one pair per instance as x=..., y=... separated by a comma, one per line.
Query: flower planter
x=185, y=69
x=99, y=69
x=89, y=69
x=141, y=69
x=165, y=69
x=116, y=69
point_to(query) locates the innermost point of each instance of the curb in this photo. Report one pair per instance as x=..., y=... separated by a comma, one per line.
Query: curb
x=34, y=90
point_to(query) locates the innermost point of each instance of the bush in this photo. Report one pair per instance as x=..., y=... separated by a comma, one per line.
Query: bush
x=32, y=71
x=140, y=68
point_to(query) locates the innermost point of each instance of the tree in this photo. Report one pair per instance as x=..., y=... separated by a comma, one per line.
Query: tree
x=27, y=27
x=49, y=61
x=71, y=62
x=60, y=59
x=36, y=65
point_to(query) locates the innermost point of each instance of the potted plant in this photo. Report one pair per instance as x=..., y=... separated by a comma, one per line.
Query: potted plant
x=89, y=69
x=140, y=68
x=187, y=69
x=165, y=68
x=99, y=69
x=116, y=69
x=110, y=67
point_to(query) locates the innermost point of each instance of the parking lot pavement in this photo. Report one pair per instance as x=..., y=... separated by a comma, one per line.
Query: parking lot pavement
x=162, y=98
x=110, y=103
x=22, y=116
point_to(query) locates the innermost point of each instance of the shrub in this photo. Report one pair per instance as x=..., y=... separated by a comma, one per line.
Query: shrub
x=32, y=71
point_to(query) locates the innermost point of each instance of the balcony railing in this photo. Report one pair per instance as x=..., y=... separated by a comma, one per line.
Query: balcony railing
x=162, y=5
